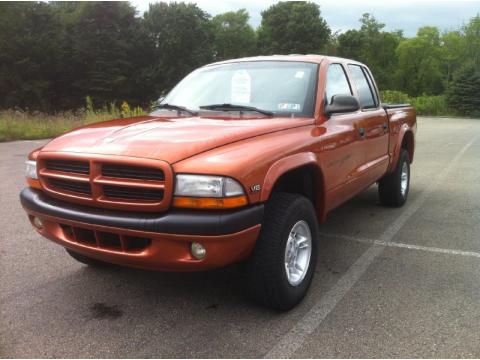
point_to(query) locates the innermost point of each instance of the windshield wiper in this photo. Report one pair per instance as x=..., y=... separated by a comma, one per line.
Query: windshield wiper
x=232, y=107
x=175, y=107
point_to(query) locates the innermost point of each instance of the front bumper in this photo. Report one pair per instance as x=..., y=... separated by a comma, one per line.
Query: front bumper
x=114, y=236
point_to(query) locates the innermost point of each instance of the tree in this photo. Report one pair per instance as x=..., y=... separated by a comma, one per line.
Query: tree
x=472, y=40
x=29, y=56
x=180, y=39
x=234, y=37
x=462, y=94
x=293, y=27
x=452, y=54
x=102, y=51
x=374, y=47
x=419, y=63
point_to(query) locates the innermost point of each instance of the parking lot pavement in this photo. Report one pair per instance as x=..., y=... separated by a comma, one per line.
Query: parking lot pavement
x=389, y=282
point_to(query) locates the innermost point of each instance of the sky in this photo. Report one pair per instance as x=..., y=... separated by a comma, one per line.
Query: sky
x=341, y=15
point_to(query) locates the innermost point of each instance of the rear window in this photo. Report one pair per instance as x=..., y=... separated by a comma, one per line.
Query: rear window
x=364, y=89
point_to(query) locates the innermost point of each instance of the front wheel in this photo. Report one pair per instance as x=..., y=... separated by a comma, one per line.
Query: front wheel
x=282, y=265
x=393, y=188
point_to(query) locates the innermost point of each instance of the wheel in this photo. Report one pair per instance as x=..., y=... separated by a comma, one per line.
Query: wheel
x=393, y=188
x=282, y=265
x=86, y=260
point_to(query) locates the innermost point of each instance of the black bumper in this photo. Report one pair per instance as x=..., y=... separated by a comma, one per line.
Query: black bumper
x=173, y=222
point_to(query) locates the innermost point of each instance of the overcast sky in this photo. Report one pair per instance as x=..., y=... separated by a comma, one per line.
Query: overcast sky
x=343, y=15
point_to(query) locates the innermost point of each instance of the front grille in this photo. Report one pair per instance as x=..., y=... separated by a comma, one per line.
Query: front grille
x=114, y=182
x=76, y=167
x=72, y=186
x=123, y=192
x=105, y=240
x=132, y=172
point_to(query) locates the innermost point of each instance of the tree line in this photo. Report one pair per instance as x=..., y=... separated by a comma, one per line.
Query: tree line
x=53, y=55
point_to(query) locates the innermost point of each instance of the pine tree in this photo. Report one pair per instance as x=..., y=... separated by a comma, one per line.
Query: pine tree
x=463, y=92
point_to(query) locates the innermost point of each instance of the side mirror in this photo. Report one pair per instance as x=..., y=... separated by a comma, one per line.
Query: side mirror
x=160, y=99
x=342, y=104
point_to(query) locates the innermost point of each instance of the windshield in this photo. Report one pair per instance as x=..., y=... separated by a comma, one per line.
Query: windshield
x=285, y=88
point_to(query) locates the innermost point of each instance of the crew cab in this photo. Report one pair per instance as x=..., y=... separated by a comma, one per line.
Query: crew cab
x=240, y=162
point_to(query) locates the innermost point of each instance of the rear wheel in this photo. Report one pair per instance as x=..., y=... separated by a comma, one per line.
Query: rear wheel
x=282, y=265
x=87, y=260
x=393, y=188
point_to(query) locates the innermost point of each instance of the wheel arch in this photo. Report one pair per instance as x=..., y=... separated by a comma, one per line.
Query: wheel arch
x=406, y=141
x=301, y=174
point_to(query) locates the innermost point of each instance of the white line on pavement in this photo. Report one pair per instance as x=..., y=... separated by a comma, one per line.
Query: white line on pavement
x=296, y=336
x=406, y=246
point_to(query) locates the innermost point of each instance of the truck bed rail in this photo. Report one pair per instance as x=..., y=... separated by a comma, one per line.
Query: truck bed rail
x=387, y=106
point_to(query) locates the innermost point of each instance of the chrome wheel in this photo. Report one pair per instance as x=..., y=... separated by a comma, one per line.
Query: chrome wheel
x=404, y=179
x=298, y=252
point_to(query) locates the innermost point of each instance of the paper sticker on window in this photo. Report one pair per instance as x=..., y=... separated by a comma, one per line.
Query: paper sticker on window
x=289, y=107
x=299, y=74
x=241, y=87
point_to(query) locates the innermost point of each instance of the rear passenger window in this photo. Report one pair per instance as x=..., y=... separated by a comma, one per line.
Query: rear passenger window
x=372, y=86
x=364, y=90
x=337, y=82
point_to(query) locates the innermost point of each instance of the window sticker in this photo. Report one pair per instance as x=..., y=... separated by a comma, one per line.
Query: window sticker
x=241, y=87
x=289, y=107
x=299, y=74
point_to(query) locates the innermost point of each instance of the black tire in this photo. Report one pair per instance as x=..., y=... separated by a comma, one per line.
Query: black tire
x=86, y=260
x=390, y=186
x=266, y=275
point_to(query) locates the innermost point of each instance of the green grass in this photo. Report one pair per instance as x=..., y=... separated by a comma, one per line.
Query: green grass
x=424, y=104
x=18, y=125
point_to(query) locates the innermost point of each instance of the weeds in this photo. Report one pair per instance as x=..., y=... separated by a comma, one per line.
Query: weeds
x=20, y=125
x=424, y=104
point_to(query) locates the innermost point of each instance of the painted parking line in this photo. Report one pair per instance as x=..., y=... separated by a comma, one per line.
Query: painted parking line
x=296, y=336
x=404, y=246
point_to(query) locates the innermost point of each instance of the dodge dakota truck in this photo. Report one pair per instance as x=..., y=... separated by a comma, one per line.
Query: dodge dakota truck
x=239, y=163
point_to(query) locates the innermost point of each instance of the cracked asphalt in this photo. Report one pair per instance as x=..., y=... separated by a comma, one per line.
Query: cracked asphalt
x=418, y=297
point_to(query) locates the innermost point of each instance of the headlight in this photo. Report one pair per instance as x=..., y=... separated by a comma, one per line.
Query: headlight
x=207, y=186
x=208, y=192
x=31, y=169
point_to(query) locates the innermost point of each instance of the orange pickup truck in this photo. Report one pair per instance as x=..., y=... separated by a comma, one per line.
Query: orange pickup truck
x=240, y=162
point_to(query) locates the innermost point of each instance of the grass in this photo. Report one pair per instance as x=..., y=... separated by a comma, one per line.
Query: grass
x=19, y=125
x=424, y=104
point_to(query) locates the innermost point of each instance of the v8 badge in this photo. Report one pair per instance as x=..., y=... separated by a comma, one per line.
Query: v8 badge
x=255, y=188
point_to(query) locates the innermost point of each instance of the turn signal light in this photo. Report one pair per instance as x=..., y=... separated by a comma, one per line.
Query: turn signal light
x=34, y=183
x=210, y=203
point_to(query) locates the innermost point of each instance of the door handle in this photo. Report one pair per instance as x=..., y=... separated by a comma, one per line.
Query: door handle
x=361, y=131
x=385, y=126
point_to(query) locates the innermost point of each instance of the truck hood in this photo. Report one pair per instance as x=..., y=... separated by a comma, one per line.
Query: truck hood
x=168, y=139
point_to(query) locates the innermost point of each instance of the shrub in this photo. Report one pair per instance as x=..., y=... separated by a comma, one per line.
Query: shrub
x=424, y=104
x=393, y=96
x=21, y=125
x=463, y=92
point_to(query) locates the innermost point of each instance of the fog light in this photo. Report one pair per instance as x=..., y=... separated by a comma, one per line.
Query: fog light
x=38, y=223
x=198, y=250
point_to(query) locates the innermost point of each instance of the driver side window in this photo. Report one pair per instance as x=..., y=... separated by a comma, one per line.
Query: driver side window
x=337, y=82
